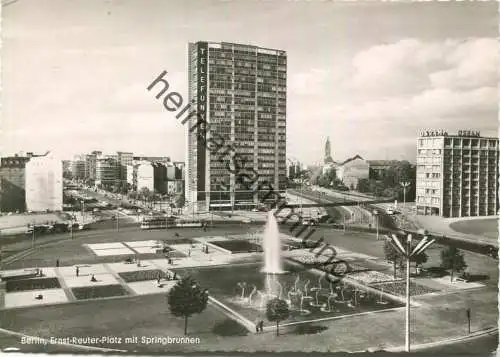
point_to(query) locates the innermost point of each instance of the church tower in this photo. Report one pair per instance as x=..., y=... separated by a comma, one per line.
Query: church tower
x=328, y=152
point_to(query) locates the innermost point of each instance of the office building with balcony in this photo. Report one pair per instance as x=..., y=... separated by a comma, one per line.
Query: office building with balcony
x=106, y=171
x=44, y=184
x=457, y=175
x=239, y=91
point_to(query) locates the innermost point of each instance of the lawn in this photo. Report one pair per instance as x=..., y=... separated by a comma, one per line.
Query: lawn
x=32, y=284
x=149, y=316
x=95, y=292
x=238, y=246
x=485, y=227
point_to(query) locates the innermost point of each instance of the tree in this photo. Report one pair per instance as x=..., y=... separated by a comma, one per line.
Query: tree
x=453, y=259
x=277, y=310
x=180, y=200
x=419, y=259
x=133, y=195
x=363, y=185
x=393, y=255
x=145, y=194
x=187, y=298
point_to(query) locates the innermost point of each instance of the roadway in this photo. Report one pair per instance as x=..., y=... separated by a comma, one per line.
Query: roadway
x=386, y=223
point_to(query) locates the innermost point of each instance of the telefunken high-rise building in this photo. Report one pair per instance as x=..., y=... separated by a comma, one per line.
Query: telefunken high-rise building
x=240, y=92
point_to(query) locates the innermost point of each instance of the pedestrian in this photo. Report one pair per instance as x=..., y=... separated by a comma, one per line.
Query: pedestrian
x=257, y=327
x=57, y=263
x=261, y=325
x=77, y=271
x=189, y=252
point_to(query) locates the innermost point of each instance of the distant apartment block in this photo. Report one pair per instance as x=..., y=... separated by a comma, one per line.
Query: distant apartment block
x=152, y=158
x=240, y=92
x=107, y=169
x=13, y=183
x=158, y=177
x=457, y=175
x=78, y=169
x=44, y=184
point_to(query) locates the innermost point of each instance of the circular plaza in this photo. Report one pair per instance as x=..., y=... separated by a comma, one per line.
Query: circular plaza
x=108, y=289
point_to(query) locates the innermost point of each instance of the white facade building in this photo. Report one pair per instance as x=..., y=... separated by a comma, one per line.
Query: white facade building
x=145, y=176
x=44, y=184
x=352, y=170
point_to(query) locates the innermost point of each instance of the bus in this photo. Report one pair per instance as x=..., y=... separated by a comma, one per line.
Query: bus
x=152, y=222
x=167, y=222
x=188, y=223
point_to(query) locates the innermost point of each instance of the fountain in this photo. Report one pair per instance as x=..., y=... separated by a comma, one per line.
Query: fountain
x=317, y=290
x=272, y=246
x=242, y=286
x=302, y=299
x=252, y=293
x=382, y=301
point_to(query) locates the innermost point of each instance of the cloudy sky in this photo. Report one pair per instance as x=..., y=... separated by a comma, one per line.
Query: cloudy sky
x=369, y=75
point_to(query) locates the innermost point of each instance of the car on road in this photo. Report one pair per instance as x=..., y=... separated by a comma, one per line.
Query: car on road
x=492, y=251
x=308, y=222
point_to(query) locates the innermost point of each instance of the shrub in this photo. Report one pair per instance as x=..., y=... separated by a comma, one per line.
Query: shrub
x=229, y=327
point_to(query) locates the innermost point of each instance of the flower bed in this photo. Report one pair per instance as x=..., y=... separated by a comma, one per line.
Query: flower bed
x=32, y=284
x=399, y=288
x=95, y=292
x=370, y=277
x=142, y=275
x=179, y=241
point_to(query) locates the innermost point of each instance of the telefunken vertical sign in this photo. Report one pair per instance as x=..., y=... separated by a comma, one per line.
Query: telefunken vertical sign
x=202, y=65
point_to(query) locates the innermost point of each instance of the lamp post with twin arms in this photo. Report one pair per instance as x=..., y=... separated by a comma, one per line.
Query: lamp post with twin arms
x=407, y=252
x=405, y=186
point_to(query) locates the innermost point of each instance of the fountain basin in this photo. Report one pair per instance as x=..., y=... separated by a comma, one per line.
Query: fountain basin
x=222, y=282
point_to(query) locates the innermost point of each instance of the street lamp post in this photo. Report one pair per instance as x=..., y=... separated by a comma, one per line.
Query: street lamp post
x=375, y=213
x=408, y=253
x=301, y=193
x=33, y=237
x=405, y=185
x=83, y=211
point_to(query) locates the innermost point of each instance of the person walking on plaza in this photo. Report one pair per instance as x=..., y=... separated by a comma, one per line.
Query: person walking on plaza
x=57, y=263
x=77, y=271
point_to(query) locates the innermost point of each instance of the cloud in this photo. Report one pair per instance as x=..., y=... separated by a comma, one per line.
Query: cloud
x=309, y=82
x=473, y=64
x=410, y=66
